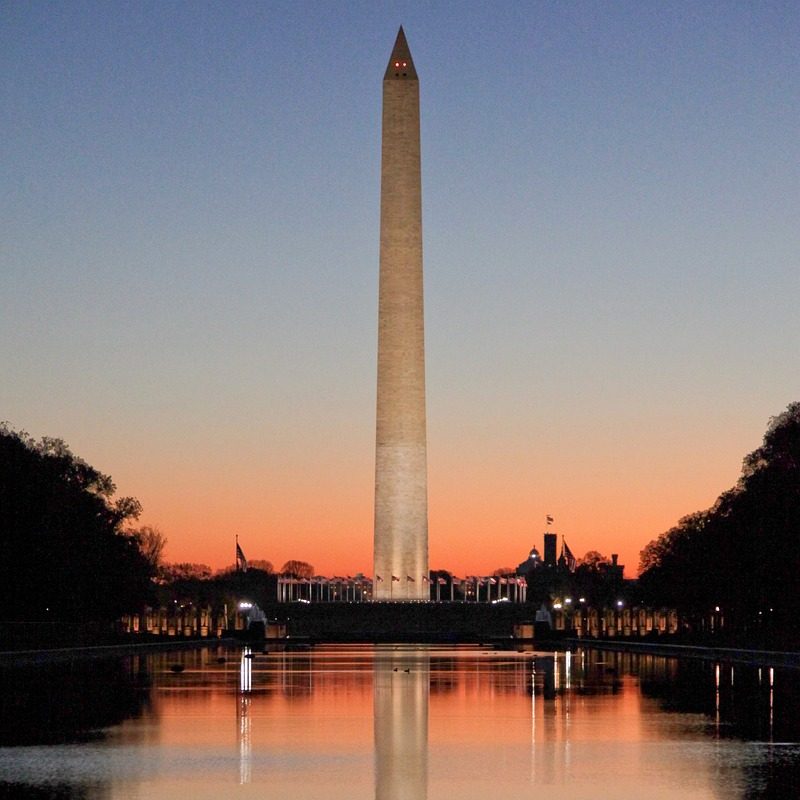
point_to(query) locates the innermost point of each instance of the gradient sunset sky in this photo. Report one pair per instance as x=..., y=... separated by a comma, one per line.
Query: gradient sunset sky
x=189, y=262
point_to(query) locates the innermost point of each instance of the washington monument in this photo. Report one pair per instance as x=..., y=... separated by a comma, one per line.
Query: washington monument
x=401, y=485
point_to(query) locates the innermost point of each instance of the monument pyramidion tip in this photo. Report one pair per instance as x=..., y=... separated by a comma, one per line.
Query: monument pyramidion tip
x=400, y=65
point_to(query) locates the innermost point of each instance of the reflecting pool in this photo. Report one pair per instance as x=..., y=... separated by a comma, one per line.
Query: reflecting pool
x=394, y=722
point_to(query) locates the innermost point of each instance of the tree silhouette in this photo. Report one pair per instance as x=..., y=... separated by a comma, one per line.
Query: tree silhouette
x=593, y=560
x=298, y=569
x=64, y=553
x=742, y=554
x=151, y=543
x=184, y=571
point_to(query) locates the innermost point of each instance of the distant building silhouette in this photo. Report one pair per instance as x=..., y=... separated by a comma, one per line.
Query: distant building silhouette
x=614, y=569
x=532, y=562
x=550, y=545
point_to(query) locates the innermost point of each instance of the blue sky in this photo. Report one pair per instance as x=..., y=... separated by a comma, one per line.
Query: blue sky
x=189, y=260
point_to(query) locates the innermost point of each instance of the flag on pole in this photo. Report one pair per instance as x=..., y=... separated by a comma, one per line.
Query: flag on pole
x=379, y=579
x=395, y=578
x=241, y=561
x=409, y=578
x=572, y=562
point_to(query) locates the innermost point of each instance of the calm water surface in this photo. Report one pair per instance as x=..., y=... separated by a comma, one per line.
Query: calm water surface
x=399, y=722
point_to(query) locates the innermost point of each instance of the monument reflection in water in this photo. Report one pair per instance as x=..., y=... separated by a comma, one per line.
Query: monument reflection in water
x=399, y=722
x=401, y=684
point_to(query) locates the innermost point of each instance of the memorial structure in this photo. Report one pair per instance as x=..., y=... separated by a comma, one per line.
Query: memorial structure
x=401, y=494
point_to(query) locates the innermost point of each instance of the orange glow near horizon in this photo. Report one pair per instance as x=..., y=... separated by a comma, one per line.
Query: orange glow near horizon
x=482, y=516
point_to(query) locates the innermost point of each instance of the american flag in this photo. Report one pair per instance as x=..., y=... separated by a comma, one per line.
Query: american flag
x=570, y=558
x=241, y=561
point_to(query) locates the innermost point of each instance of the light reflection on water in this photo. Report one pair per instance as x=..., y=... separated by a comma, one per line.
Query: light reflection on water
x=402, y=723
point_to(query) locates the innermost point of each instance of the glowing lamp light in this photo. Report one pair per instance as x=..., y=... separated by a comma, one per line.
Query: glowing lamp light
x=244, y=605
x=619, y=603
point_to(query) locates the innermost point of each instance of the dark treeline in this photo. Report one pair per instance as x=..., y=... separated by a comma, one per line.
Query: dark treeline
x=219, y=592
x=65, y=554
x=199, y=586
x=743, y=554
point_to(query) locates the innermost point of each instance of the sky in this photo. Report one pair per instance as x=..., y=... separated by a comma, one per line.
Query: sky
x=189, y=262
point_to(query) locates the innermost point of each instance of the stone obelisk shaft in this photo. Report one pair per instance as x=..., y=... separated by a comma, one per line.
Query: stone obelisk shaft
x=401, y=494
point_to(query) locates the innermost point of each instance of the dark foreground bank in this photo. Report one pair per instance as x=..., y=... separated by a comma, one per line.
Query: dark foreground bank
x=46, y=655
x=738, y=655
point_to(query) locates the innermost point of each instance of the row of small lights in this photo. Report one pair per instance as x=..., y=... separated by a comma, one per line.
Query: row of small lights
x=568, y=602
x=244, y=605
x=620, y=604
